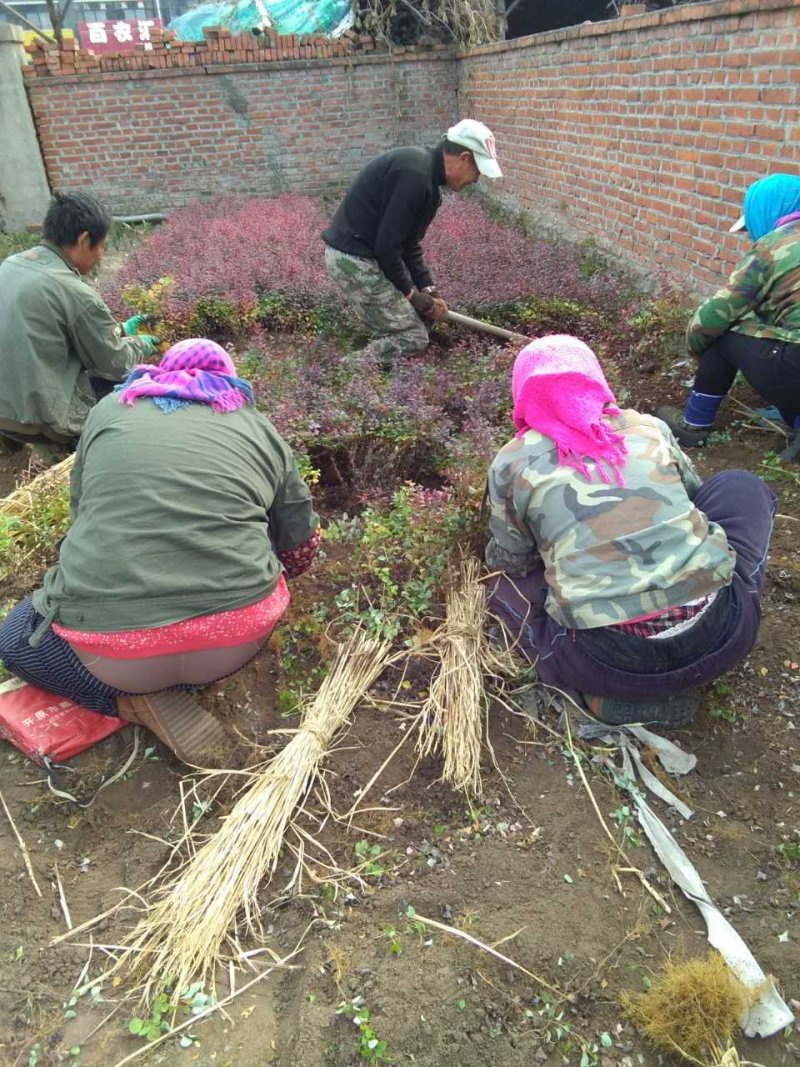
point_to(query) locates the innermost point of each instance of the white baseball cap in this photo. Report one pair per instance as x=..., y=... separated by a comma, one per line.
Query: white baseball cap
x=479, y=139
x=738, y=225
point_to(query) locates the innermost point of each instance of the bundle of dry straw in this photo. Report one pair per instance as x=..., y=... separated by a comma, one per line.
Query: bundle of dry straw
x=452, y=716
x=26, y=499
x=181, y=937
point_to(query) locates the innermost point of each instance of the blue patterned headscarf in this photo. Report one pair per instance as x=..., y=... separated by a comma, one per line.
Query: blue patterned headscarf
x=768, y=200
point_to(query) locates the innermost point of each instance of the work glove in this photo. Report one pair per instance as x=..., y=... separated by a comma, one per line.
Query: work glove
x=423, y=303
x=133, y=324
x=151, y=344
x=440, y=310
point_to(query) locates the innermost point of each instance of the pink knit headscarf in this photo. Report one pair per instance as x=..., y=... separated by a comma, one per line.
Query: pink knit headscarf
x=194, y=371
x=560, y=390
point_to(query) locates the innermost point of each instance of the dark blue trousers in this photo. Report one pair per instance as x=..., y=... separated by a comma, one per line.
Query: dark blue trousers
x=609, y=662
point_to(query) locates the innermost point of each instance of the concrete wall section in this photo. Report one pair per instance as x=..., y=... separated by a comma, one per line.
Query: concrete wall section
x=24, y=193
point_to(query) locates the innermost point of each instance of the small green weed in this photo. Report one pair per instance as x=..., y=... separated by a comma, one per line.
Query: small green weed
x=622, y=817
x=416, y=925
x=774, y=470
x=719, y=437
x=157, y=1023
x=192, y=1000
x=393, y=935
x=371, y=1048
x=720, y=707
x=199, y=809
x=790, y=850
x=369, y=856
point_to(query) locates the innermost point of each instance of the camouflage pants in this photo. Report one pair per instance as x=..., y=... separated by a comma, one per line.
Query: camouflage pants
x=380, y=306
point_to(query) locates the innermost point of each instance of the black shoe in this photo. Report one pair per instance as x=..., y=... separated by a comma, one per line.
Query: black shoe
x=670, y=713
x=687, y=436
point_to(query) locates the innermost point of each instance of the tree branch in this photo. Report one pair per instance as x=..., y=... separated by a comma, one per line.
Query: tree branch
x=54, y=11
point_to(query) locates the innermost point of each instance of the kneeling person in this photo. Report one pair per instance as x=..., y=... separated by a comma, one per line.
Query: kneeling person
x=373, y=244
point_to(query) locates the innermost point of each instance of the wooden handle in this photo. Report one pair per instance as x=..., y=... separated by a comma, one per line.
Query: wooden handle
x=484, y=327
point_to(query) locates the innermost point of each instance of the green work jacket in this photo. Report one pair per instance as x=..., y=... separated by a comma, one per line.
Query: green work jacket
x=55, y=331
x=174, y=516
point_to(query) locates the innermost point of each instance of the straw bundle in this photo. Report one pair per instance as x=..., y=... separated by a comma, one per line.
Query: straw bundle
x=452, y=715
x=29, y=497
x=182, y=936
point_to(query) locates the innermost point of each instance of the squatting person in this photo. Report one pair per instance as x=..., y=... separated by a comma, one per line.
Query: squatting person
x=60, y=347
x=752, y=324
x=187, y=510
x=373, y=244
x=624, y=577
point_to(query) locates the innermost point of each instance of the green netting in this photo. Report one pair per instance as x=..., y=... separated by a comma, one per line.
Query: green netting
x=287, y=16
x=306, y=16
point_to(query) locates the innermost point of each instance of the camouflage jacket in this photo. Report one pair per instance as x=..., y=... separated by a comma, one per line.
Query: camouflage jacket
x=762, y=297
x=610, y=554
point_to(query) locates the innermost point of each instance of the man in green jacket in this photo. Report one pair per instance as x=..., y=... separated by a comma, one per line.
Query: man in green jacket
x=60, y=347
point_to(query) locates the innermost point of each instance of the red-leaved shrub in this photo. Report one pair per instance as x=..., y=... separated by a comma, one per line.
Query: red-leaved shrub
x=231, y=249
x=242, y=252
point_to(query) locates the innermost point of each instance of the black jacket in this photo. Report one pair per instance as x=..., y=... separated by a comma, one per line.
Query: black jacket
x=386, y=211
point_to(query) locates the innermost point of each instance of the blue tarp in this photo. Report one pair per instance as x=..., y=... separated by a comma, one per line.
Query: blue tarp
x=286, y=16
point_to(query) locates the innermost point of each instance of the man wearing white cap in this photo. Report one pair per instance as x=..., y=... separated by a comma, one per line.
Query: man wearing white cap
x=373, y=244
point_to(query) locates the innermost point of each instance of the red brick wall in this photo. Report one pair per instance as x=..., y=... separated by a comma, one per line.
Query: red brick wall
x=641, y=132
x=644, y=132
x=143, y=141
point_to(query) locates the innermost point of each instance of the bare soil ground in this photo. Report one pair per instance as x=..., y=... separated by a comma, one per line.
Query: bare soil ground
x=531, y=869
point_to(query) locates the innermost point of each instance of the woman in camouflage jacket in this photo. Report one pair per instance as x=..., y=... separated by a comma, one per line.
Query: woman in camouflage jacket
x=623, y=576
x=753, y=323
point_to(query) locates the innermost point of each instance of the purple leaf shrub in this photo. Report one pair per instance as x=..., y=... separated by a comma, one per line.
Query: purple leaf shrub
x=240, y=250
x=234, y=249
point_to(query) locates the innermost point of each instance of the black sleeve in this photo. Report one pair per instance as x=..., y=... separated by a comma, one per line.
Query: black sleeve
x=397, y=227
x=413, y=259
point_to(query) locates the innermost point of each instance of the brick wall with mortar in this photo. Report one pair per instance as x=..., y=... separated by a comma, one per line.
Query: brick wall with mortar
x=641, y=132
x=644, y=132
x=147, y=140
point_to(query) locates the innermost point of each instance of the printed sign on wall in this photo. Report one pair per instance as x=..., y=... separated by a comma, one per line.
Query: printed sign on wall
x=117, y=35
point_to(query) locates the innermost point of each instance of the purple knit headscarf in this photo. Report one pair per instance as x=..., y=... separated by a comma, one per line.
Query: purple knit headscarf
x=195, y=371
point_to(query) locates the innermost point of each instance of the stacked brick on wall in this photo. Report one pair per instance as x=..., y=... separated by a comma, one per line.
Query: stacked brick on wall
x=644, y=132
x=165, y=51
x=147, y=140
